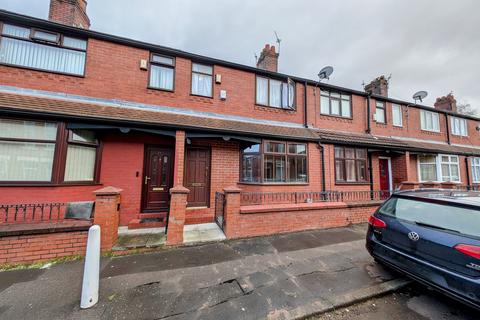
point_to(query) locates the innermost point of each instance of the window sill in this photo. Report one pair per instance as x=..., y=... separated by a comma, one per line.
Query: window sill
x=339, y=183
x=335, y=116
x=160, y=89
x=263, y=106
x=200, y=96
x=275, y=183
x=431, y=132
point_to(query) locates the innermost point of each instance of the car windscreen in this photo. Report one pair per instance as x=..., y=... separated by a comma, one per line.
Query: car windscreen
x=463, y=220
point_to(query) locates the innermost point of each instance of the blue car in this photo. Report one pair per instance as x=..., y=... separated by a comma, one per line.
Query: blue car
x=433, y=237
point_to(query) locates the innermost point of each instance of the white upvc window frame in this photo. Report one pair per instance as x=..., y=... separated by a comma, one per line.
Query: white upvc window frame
x=425, y=121
x=475, y=164
x=459, y=126
x=397, y=110
x=438, y=168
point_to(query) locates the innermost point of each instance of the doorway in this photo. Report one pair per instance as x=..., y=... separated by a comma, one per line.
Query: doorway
x=157, y=179
x=385, y=167
x=197, y=176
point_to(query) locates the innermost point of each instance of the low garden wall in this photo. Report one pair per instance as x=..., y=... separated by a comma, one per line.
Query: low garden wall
x=259, y=220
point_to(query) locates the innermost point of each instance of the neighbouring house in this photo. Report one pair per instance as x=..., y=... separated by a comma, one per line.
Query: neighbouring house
x=81, y=110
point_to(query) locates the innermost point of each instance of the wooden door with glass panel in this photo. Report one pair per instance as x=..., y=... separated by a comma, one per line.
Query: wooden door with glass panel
x=157, y=179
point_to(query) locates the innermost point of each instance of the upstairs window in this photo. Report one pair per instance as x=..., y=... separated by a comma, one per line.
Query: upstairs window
x=335, y=104
x=42, y=50
x=350, y=165
x=380, y=112
x=429, y=121
x=275, y=162
x=202, y=80
x=162, y=72
x=275, y=93
x=397, y=118
x=459, y=126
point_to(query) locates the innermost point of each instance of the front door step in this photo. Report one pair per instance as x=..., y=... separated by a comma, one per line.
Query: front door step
x=139, y=238
x=147, y=221
x=204, y=232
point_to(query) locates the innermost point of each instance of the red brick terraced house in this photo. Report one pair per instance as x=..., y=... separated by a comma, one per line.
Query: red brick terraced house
x=81, y=110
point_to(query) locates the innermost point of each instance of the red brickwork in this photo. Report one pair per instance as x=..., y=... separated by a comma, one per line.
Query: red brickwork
x=34, y=248
x=176, y=220
x=69, y=12
x=107, y=204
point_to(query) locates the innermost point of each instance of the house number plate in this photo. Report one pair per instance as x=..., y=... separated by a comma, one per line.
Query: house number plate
x=157, y=189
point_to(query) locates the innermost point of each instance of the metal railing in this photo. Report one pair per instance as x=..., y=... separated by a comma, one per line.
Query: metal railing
x=32, y=213
x=220, y=209
x=258, y=198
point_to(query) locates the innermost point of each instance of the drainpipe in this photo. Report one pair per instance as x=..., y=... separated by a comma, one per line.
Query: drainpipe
x=322, y=157
x=370, y=173
x=305, y=106
x=369, y=129
x=468, y=173
x=447, y=128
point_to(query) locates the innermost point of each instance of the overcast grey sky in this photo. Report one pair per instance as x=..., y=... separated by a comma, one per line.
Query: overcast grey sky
x=425, y=45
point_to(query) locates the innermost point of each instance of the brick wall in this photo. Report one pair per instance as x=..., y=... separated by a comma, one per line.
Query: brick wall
x=43, y=247
x=251, y=221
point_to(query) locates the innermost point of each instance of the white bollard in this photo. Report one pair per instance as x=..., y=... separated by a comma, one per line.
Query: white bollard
x=91, y=271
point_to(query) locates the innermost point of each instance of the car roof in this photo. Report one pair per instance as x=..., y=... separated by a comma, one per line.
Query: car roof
x=449, y=196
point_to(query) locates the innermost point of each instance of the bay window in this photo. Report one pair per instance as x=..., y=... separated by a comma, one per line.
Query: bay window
x=441, y=168
x=42, y=50
x=335, y=104
x=26, y=150
x=275, y=162
x=476, y=170
x=350, y=165
x=162, y=72
x=31, y=153
x=429, y=121
x=202, y=80
x=275, y=93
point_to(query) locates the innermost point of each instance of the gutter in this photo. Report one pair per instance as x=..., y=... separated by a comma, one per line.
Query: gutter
x=305, y=118
x=468, y=172
x=447, y=126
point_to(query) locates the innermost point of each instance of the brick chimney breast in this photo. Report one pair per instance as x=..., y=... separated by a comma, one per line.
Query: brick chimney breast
x=268, y=59
x=447, y=102
x=379, y=86
x=69, y=12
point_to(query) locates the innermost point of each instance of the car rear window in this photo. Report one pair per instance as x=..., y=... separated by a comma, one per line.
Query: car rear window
x=463, y=220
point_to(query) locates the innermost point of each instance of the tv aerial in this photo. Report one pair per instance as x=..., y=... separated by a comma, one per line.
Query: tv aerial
x=278, y=40
x=325, y=73
x=420, y=95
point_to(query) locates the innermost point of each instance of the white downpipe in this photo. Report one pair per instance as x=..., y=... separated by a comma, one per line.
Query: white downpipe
x=91, y=271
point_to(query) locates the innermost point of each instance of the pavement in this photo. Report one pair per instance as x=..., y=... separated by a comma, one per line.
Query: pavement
x=286, y=276
x=414, y=302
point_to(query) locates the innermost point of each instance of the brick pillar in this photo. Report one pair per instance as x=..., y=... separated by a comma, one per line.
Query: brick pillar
x=179, y=158
x=231, y=211
x=107, y=206
x=176, y=219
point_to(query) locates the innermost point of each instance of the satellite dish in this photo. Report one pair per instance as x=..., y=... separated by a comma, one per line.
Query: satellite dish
x=325, y=73
x=420, y=95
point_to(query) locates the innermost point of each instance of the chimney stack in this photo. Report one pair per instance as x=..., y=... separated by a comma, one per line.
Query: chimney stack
x=379, y=86
x=268, y=59
x=69, y=12
x=447, y=102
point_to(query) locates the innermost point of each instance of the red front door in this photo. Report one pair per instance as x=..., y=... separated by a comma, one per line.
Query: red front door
x=157, y=179
x=384, y=174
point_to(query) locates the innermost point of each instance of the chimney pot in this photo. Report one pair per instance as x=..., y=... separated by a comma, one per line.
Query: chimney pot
x=268, y=59
x=69, y=12
x=379, y=86
x=447, y=103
